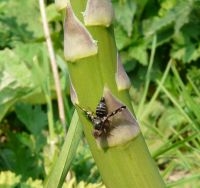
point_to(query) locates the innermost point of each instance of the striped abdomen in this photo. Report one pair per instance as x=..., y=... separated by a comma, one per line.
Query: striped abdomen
x=101, y=110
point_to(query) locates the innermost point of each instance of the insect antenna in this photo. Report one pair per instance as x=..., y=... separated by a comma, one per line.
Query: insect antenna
x=81, y=108
x=87, y=113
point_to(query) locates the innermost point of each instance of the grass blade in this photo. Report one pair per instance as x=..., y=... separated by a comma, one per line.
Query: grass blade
x=59, y=171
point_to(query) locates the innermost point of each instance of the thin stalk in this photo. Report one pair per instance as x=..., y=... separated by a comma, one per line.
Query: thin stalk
x=169, y=146
x=182, y=181
x=148, y=77
x=197, y=91
x=53, y=65
x=68, y=110
x=174, y=101
x=50, y=114
x=186, y=96
x=158, y=89
x=45, y=86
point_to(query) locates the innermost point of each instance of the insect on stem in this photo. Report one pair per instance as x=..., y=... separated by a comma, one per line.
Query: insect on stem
x=100, y=119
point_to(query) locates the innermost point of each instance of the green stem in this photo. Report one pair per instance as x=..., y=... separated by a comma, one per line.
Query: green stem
x=125, y=165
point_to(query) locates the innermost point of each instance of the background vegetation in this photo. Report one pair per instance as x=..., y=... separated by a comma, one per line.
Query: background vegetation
x=165, y=90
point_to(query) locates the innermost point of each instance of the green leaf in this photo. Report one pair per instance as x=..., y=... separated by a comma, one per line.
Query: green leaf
x=152, y=25
x=8, y=179
x=14, y=75
x=27, y=53
x=186, y=53
x=121, y=37
x=18, y=21
x=15, y=80
x=20, y=158
x=124, y=13
x=30, y=183
x=178, y=14
x=139, y=53
x=186, y=45
x=32, y=116
x=17, y=77
x=52, y=13
x=184, y=8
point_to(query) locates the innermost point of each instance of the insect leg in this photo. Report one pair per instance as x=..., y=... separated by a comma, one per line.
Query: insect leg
x=115, y=112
